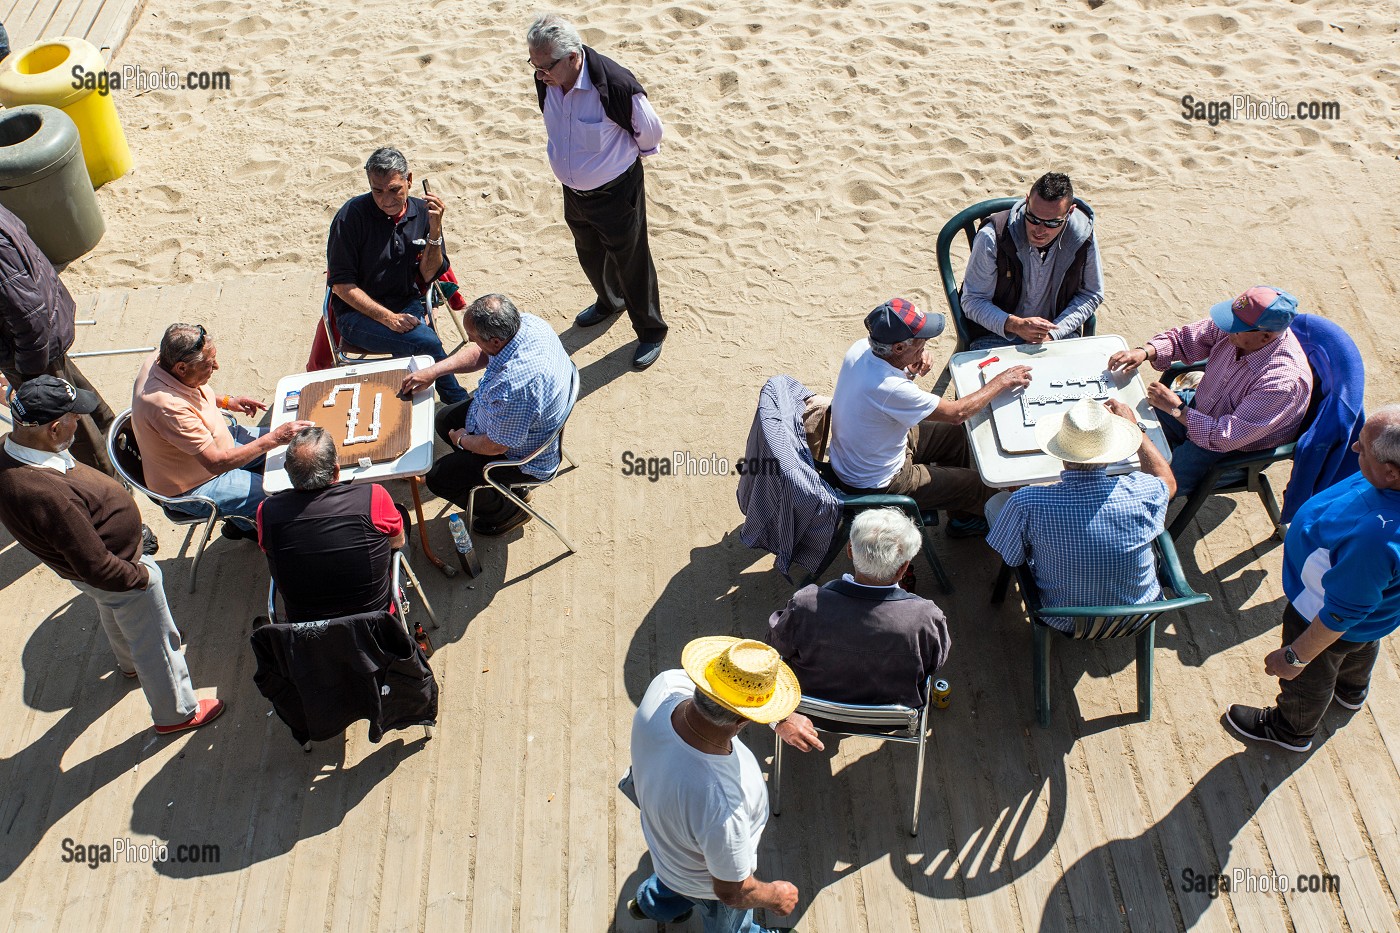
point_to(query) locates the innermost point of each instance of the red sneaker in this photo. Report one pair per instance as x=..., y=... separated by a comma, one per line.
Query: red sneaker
x=209, y=710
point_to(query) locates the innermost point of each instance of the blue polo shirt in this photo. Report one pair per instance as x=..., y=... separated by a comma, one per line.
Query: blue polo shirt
x=368, y=248
x=1341, y=560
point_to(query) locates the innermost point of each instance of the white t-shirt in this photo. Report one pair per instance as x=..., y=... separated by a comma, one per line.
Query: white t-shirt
x=702, y=815
x=872, y=410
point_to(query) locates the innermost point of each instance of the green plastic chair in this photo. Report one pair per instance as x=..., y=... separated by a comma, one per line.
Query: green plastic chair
x=967, y=221
x=1096, y=622
x=1253, y=464
x=851, y=506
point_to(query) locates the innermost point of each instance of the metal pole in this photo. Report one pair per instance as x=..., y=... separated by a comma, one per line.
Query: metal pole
x=110, y=352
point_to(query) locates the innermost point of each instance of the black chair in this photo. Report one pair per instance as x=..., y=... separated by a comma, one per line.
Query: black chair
x=1095, y=622
x=126, y=459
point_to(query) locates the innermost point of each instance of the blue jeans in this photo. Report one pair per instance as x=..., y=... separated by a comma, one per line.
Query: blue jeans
x=239, y=492
x=1190, y=462
x=368, y=334
x=663, y=905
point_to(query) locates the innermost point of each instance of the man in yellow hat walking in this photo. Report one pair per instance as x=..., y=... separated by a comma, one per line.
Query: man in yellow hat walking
x=703, y=799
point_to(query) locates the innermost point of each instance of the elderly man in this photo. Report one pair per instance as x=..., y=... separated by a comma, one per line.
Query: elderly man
x=600, y=126
x=1255, y=389
x=702, y=796
x=890, y=436
x=186, y=445
x=329, y=545
x=86, y=528
x=1034, y=273
x=863, y=639
x=522, y=398
x=383, y=247
x=36, y=330
x=1341, y=574
x=1088, y=537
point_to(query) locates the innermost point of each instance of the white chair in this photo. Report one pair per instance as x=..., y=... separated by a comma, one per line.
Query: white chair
x=892, y=722
x=126, y=459
x=509, y=490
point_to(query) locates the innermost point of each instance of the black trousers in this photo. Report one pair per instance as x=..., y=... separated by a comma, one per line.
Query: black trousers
x=454, y=476
x=610, y=236
x=1345, y=668
x=90, y=443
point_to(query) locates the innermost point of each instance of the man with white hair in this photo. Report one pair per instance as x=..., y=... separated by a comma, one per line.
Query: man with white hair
x=1341, y=574
x=863, y=639
x=600, y=127
x=1089, y=537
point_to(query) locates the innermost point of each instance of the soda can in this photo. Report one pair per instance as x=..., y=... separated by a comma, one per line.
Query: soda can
x=942, y=693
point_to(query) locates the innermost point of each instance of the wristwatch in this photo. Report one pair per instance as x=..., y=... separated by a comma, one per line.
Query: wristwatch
x=432, y=242
x=1142, y=426
x=1292, y=658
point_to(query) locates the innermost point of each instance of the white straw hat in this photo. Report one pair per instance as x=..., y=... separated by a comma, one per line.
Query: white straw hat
x=1088, y=433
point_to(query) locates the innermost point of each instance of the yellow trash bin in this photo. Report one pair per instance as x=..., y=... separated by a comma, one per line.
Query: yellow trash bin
x=46, y=72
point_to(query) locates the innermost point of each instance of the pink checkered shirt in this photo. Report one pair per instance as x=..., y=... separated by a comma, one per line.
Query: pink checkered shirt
x=1252, y=402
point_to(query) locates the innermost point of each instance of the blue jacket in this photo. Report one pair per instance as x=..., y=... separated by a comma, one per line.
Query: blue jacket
x=1324, y=456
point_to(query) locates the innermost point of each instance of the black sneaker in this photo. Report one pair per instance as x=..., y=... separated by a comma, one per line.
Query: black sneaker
x=1349, y=701
x=635, y=913
x=150, y=544
x=1261, y=726
x=236, y=532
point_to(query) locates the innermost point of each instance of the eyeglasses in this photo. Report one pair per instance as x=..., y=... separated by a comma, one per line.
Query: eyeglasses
x=548, y=68
x=1052, y=224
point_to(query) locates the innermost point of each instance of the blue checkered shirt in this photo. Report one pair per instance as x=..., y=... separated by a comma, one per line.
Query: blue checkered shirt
x=1088, y=538
x=523, y=395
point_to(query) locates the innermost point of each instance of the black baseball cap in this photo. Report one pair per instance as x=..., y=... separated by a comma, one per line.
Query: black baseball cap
x=45, y=399
x=898, y=320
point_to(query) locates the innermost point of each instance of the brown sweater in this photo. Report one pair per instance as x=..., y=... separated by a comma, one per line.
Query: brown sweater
x=82, y=523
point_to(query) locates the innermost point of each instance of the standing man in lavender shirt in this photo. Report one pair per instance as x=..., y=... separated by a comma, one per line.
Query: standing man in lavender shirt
x=600, y=127
x=1253, y=394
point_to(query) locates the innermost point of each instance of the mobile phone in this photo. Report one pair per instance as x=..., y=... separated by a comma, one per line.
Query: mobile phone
x=425, y=187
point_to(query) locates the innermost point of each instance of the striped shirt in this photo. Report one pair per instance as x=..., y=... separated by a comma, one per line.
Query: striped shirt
x=1252, y=401
x=523, y=395
x=1088, y=538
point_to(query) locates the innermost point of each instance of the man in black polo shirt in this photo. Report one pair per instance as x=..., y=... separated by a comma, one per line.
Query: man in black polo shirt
x=329, y=545
x=381, y=246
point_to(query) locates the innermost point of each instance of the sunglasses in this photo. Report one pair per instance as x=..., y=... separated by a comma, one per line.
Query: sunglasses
x=196, y=348
x=1038, y=222
x=548, y=68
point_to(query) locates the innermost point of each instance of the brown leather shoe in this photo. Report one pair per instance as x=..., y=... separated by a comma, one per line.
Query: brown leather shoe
x=208, y=711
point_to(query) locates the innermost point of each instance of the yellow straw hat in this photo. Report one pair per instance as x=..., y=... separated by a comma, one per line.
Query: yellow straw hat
x=743, y=675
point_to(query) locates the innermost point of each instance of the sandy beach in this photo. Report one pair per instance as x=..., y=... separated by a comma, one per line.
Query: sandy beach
x=813, y=150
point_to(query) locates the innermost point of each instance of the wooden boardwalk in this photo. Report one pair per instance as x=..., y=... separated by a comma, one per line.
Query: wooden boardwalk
x=104, y=23
x=509, y=820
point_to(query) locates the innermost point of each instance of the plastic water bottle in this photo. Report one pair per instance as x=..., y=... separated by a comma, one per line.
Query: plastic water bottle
x=466, y=552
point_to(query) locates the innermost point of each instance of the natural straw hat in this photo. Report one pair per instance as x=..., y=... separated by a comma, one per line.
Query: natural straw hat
x=743, y=675
x=1088, y=433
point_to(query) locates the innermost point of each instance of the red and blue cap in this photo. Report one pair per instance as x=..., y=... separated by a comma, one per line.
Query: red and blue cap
x=898, y=320
x=1262, y=307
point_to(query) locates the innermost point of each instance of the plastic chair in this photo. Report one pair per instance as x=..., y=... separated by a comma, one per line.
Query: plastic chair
x=1098, y=622
x=126, y=459
x=968, y=222
x=509, y=490
x=853, y=505
x=398, y=565
x=890, y=723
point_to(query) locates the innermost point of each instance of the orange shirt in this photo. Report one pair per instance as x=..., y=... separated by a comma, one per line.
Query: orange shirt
x=173, y=423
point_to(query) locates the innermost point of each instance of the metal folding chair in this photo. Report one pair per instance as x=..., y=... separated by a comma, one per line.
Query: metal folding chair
x=126, y=459
x=889, y=723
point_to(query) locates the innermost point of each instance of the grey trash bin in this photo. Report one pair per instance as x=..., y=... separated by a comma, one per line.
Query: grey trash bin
x=44, y=182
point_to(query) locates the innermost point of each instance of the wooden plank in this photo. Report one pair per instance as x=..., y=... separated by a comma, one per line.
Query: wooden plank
x=546, y=796
x=112, y=23
x=1344, y=850
x=358, y=878
x=593, y=799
